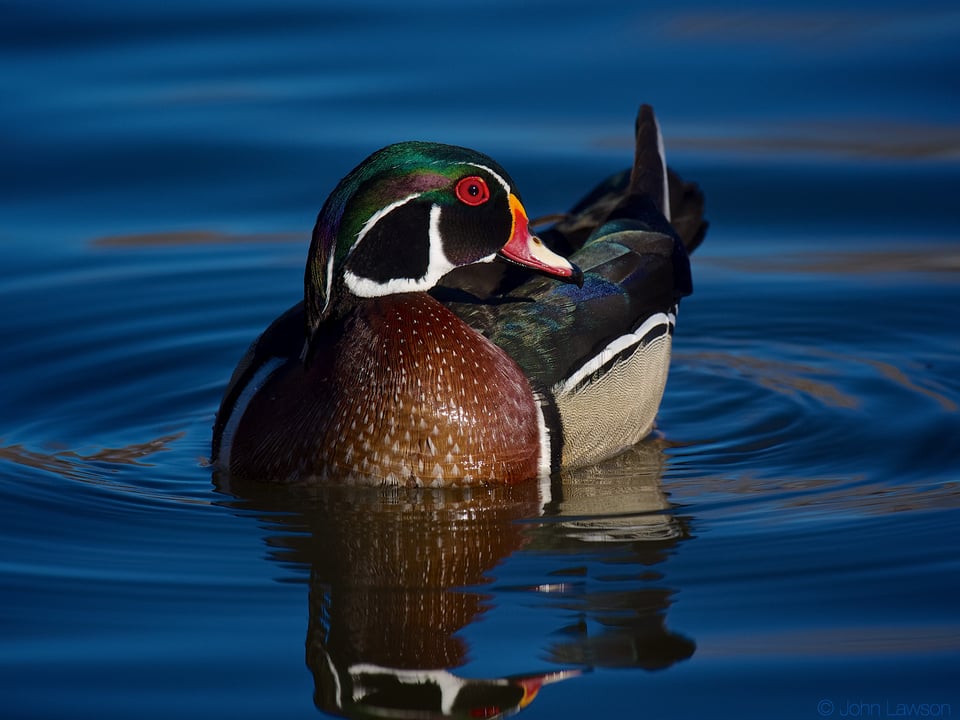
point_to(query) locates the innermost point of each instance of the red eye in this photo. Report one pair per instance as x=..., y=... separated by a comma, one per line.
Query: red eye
x=472, y=190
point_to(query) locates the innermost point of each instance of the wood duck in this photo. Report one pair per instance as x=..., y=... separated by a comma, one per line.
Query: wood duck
x=441, y=343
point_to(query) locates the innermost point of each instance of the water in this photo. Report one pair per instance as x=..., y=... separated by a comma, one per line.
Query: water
x=784, y=546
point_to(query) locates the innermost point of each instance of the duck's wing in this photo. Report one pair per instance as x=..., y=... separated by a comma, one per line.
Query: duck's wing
x=552, y=330
x=282, y=342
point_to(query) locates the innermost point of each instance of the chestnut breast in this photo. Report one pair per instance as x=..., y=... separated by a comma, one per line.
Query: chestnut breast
x=400, y=391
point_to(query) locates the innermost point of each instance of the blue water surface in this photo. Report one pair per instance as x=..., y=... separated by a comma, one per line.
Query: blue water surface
x=785, y=545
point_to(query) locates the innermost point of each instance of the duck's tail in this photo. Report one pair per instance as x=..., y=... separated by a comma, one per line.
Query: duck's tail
x=649, y=173
x=649, y=192
x=681, y=203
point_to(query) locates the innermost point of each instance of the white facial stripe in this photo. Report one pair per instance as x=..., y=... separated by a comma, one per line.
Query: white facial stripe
x=438, y=265
x=375, y=218
x=496, y=175
x=371, y=221
x=438, y=261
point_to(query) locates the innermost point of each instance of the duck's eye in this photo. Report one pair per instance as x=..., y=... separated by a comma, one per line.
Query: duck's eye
x=472, y=190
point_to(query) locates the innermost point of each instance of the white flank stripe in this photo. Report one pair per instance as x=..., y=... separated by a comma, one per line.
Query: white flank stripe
x=614, y=347
x=240, y=407
x=544, y=461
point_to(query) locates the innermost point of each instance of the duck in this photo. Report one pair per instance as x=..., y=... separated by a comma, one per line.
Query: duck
x=442, y=342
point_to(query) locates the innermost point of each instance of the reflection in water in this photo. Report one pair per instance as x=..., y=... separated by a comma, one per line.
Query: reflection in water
x=897, y=375
x=191, y=237
x=389, y=568
x=941, y=259
x=617, y=513
x=101, y=467
x=781, y=376
x=71, y=464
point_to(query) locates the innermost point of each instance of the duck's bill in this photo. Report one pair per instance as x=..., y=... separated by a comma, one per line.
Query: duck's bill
x=528, y=250
x=531, y=684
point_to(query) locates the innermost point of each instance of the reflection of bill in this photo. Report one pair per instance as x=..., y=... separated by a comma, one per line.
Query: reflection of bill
x=389, y=570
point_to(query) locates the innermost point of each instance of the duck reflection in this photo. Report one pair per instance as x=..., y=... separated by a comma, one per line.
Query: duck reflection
x=617, y=514
x=389, y=570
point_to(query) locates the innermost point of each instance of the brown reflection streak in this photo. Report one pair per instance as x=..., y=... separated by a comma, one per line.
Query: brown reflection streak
x=890, y=372
x=877, y=498
x=69, y=463
x=864, y=141
x=901, y=642
x=935, y=143
x=863, y=138
x=771, y=26
x=929, y=259
x=192, y=237
x=89, y=468
x=836, y=494
x=777, y=375
x=895, y=374
x=784, y=377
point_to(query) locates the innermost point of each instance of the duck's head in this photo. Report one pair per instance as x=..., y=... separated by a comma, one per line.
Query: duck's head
x=409, y=214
